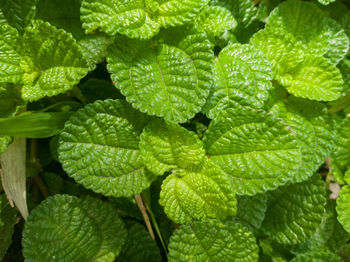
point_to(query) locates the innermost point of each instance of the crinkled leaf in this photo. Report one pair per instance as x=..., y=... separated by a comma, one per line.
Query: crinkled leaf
x=10, y=99
x=205, y=192
x=135, y=18
x=166, y=146
x=258, y=151
x=344, y=67
x=213, y=241
x=7, y=222
x=314, y=30
x=99, y=148
x=215, y=21
x=53, y=63
x=66, y=228
x=317, y=256
x=17, y=13
x=242, y=75
x=168, y=80
x=251, y=210
x=343, y=207
x=139, y=247
x=295, y=211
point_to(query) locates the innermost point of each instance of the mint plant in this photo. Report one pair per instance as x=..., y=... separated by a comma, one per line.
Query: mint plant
x=173, y=130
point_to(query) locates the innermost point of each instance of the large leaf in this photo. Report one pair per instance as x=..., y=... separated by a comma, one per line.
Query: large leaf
x=258, y=151
x=317, y=256
x=66, y=228
x=205, y=192
x=139, y=247
x=295, y=211
x=99, y=148
x=213, y=241
x=343, y=207
x=7, y=222
x=52, y=61
x=168, y=77
x=136, y=18
x=314, y=30
x=166, y=146
x=242, y=75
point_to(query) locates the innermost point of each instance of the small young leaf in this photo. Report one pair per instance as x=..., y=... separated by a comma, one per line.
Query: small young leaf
x=166, y=146
x=4, y=142
x=295, y=211
x=258, y=151
x=205, y=192
x=66, y=228
x=99, y=148
x=213, y=241
x=10, y=99
x=167, y=77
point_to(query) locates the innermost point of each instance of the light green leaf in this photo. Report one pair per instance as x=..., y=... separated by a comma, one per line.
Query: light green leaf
x=242, y=76
x=136, y=18
x=314, y=30
x=8, y=219
x=166, y=146
x=205, y=192
x=99, y=148
x=326, y=2
x=17, y=13
x=343, y=207
x=4, y=142
x=66, y=228
x=53, y=63
x=139, y=247
x=295, y=211
x=258, y=151
x=251, y=210
x=317, y=256
x=10, y=58
x=10, y=99
x=216, y=21
x=168, y=77
x=213, y=241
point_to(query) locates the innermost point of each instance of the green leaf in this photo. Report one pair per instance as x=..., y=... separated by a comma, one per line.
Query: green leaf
x=258, y=151
x=34, y=125
x=10, y=99
x=314, y=30
x=167, y=77
x=53, y=63
x=17, y=13
x=216, y=21
x=326, y=2
x=317, y=256
x=10, y=58
x=8, y=219
x=66, y=228
x=251, y=210
x=213, y=241
x=166, y=146
x=343, y=209
x=136, y=18
x=4, y=143
x=205, y=192
x=242, y=76
x=139, y=246
x=99, y=148
x=295, y=211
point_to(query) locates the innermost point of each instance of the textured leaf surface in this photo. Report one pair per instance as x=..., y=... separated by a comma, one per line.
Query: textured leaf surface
x=317, y=256
x=166, y=146
x=168, y=80
x=10, y=58
x=198, y=194
x=258, y=151
x=66, y=228
x=316, y=32
x=343, y=207
x=295, y=211
x=242, y=75
x=7, y=222
x=17, y=13
x=135, y=18
x=139, y=247
x=251, y=210
x=99, y=148
x=53, y=63
x=213, y=241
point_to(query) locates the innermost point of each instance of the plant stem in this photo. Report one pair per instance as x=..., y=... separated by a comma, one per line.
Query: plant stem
x=142, y=208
